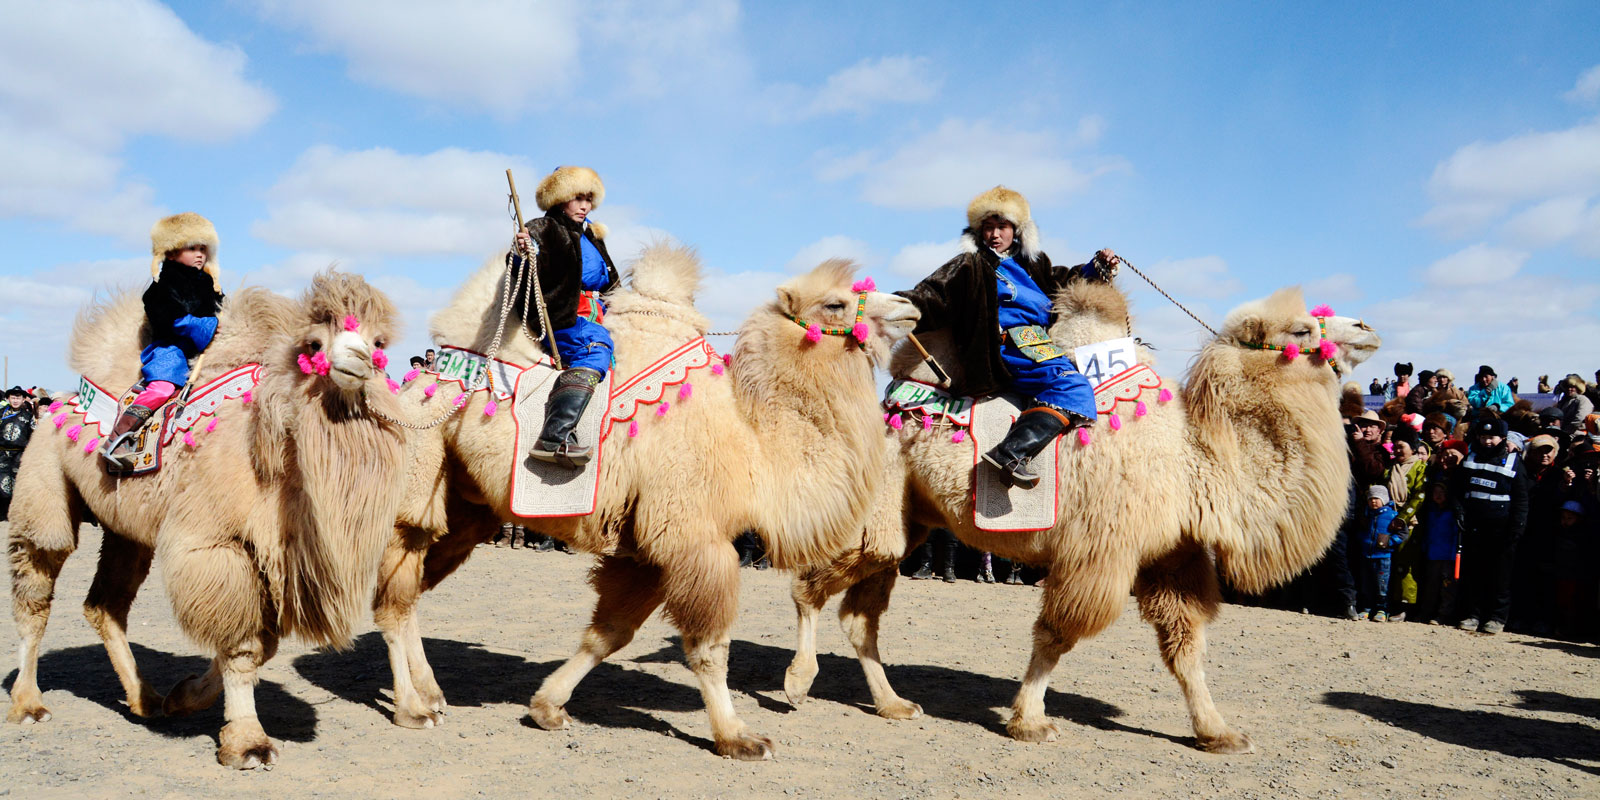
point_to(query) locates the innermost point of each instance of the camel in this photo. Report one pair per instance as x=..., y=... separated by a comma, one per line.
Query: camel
x=272, y=526
x=1245, y=473
x=788, y=443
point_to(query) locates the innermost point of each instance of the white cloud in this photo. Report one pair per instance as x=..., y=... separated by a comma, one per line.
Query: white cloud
x=382, y=202
x=1549, y=222
x=947, y=166
x=917, y=261
x=1091, y=128
x=1587, y=89
x=873, y=83
x=1336, y=288
x=1476, y=265
x=78, y=78
x=1206, y=277
x=828, y=247
x=34, y=333
x=1484, y=180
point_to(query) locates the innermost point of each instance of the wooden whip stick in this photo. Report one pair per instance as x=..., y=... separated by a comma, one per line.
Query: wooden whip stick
x=533, y=269
x=933, y=363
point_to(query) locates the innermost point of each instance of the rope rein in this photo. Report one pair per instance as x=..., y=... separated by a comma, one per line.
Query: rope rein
x=1163, y=292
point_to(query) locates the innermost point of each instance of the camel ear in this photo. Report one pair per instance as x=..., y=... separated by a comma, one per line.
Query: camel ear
x=1250, y=328
x=786, y=300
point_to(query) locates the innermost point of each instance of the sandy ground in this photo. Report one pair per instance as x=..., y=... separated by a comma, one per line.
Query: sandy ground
x=1335, y=708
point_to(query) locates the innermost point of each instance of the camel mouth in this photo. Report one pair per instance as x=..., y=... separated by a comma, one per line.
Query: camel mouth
x=346, y=378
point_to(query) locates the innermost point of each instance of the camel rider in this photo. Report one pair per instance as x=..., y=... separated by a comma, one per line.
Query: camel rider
x=574, y=270
x=180, y=309
x=996, y=299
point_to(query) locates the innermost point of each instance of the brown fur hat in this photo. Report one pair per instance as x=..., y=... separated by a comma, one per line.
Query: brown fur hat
x=1350, y=402
x=567, y=183
x=183, y=230
x=1010, y=206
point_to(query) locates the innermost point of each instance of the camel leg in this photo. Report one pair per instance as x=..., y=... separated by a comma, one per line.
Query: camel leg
x=1080, y=600
x=810, y=589
x=243, y=743
x=702, y=599
x=629, y=592
x=1178, y=595
x=43, y=532
x=194, y=693
x=394, y=611
x=859, y=613
x=124, y=565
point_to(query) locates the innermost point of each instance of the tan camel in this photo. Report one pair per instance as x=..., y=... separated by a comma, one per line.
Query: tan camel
x=1246, y=473
x=272, y=526
x=788, y=443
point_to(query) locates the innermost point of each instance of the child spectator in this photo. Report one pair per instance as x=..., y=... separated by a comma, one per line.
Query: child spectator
x=1377, y=546
x=1407, y=478
x=1441, y=540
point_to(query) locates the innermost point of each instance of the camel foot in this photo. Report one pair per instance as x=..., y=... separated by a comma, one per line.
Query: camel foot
x=244, y=745
x=188, y=696
x=797, y=682
x=148, y=704
x=1033, y=730
x=433, y=698
x=548, y=715
x=28, y=710
x=900, y=708
x=417, y=718
x=747, y=747
x=1230, y=743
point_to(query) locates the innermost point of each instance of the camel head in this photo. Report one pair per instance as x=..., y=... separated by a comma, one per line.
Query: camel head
x=344, y=327
x=1278, y=334
x=1356, y=339
x=828, y=308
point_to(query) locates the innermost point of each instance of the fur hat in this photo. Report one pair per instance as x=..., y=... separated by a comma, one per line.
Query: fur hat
x=183, y=230
x=1489, y=427
x=1402, y=369
x=1008, y=205
x=567, y=183
x=1574, y=380
x=1449, y=377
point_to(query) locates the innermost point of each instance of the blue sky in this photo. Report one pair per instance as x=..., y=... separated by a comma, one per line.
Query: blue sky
x=1434, y=168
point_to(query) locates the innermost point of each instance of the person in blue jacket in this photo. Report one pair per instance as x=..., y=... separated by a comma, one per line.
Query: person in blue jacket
x=1488, y=392
x=180, y=309
x=1378, y=546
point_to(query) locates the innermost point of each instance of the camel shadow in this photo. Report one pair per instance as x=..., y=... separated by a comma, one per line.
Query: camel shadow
x=1570, y=648
x=84, y=672
x=471, y=676
x=949, y=694
x=1560, y=742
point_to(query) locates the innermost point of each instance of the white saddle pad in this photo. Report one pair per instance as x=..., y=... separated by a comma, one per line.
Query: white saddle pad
x=540, y=489
x=997, y=507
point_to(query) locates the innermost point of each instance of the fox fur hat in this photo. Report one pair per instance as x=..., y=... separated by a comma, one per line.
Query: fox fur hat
x=1008, y=205
x=566, y=183
x=183, y=230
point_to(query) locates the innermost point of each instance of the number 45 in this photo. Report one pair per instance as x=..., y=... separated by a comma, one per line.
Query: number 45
x=1103, y=360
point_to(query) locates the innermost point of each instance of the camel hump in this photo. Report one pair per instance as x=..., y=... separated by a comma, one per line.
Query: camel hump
x=667, y=272
x=1100, y=301
x=106, y=338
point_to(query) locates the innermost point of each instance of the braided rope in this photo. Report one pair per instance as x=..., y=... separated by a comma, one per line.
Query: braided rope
x=1163, y=292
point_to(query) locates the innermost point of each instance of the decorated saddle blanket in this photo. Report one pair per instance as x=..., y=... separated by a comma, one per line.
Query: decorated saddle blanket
x=997, y=506
x=540, y=489
x=177, y=419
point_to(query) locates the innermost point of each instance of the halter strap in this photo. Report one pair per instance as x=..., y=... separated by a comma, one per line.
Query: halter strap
x=1322, y=337
x=861, y=313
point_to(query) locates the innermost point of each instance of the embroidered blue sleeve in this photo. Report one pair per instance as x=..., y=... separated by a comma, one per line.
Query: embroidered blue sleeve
x=199, y=331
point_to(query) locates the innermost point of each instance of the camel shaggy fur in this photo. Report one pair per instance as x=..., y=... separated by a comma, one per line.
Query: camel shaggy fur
x=272, y=526
x=1245, y=474
x=787, y=443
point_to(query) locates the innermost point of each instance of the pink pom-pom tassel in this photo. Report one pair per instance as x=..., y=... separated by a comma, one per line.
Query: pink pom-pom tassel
x=961, y=433
x=1083, y=437
x=93, y=443
x=394, y=388
x=60, y=419
x=351, y=323
x=813, y=333
x=188, y=439
x=1328, y=350
x=1291, y=351
x=461, y=400
x=380, y=359
x=1322, y=311
x=305, y=363
x=717, y=369
x=1140, y=409
x=685, y=390
x=861, y=331
x=56, y=406
x=412, y=375
x=864, y=285
x=73, y=432
x=1116, y=422
x=319, y=362
x=661, y=410
x=633, y=429
x=431, y=390
x=896, y=422
x=490, y=407
x=728, y=359
x=246, y=397
x=212, y=426
x=1165, y=396
x=927, y=421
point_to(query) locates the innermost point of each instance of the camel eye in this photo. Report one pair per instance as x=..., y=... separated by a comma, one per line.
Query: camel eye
x=313, y=345
x=1305, y=332
x=837, y=305
x=381, y=343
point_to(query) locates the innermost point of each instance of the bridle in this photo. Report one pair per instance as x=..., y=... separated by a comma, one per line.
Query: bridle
x=859, y=329
x=1324, y=348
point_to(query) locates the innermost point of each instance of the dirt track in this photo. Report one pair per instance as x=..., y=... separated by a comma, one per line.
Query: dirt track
x=1357, y=709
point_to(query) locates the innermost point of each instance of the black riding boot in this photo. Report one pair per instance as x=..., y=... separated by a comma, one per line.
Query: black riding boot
x=947, y=561
x=921, y=559
x=1033, y=431
x=568, y=398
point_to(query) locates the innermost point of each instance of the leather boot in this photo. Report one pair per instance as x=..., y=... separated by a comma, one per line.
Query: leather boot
x=947, y=563
x=568, y=398
x=922, y=557
x=1033, y=431
x=118, y=448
